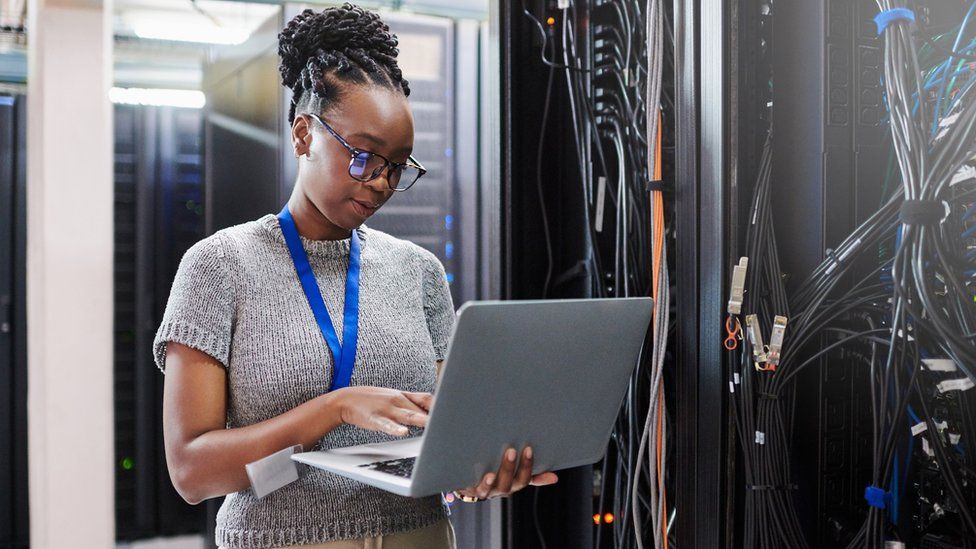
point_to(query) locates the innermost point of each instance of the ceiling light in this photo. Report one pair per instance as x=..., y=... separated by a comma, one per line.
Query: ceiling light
x=186, y=29
x=191, y=99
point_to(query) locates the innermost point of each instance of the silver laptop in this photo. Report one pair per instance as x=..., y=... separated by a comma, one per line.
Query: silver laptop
x=551, y=374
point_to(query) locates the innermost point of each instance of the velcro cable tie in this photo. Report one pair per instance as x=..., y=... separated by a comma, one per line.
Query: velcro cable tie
x=923, y=212
x=877, y=497
x=656, y=185
x=888, y=17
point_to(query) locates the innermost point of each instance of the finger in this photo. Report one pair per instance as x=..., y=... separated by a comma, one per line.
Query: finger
x=506, y=473
x=423, y=400
x=387, y=425
x=483, y=489
x=524, y=474
x=544, y=479
x=413, y=417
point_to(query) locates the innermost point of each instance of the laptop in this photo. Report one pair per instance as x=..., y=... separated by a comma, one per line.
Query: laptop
x=551, y=374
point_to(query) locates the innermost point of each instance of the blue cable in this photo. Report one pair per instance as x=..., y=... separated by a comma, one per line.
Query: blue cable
x=955, y=48
x=969, y=212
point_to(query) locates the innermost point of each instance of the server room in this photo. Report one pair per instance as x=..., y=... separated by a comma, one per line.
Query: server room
x=488, y=274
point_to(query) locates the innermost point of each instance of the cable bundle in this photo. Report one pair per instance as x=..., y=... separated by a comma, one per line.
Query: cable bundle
x=897, y=296
x=614, y=79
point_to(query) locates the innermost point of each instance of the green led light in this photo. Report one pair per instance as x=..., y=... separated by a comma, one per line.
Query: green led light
x=127, y=463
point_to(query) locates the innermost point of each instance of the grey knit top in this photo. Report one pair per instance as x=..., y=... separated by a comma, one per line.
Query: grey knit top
x=237, y=298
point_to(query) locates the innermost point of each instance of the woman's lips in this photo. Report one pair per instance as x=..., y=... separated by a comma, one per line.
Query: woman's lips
x=364, y=209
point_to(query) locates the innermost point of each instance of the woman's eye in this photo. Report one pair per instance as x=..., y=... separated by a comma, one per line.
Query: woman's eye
x=359, y=164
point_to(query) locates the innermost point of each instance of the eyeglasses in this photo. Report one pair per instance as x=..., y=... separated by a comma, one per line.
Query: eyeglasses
x=366, y=166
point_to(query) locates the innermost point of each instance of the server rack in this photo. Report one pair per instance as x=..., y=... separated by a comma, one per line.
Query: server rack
x=14, y=521
x=158, y=216
x=698, y=127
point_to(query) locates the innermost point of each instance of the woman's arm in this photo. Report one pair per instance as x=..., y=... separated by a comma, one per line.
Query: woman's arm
x=206, y=459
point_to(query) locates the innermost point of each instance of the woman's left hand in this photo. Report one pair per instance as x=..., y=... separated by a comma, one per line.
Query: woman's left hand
x=508, y=480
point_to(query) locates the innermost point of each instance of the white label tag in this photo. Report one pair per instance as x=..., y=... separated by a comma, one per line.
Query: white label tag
x=271, y=473
x=939, y=364
x=760, y=437
x=926, y=448
x=965, y=173
x=731, y=387
x=961, y=384
x=735, y=376
x=954, y=438
x=919, y=428
x=601, y=193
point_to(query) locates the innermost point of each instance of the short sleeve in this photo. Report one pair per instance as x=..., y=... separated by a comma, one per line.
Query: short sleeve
x=438, y=304
x=200, y=309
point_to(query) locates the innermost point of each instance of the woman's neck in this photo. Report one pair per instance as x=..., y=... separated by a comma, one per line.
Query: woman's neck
x=311, y=223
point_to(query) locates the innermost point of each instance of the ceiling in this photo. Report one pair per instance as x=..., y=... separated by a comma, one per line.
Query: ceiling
x=142, y=59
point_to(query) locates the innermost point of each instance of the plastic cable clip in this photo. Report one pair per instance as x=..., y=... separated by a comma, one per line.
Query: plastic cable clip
x=837, y=260
x=888, y=17
x=876, y=497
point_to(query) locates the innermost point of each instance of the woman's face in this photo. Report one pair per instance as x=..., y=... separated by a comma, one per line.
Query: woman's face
x=370, y=118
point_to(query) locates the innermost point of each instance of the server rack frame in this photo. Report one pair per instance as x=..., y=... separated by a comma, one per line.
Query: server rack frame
x=14, y=510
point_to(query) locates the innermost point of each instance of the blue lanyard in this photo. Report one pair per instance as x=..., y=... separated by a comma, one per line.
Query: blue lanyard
x=343, y=356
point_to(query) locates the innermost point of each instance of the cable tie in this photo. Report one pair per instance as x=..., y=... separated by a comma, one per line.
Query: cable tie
x=769, y=396
x=877, y=497
x=888, y=17
x=923, y=212
x=656, y=185
x=837, y=260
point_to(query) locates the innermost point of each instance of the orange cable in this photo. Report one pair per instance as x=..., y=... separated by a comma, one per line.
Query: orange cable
x=657, y=222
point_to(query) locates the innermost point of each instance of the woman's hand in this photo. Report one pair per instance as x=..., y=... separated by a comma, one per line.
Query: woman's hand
x=380, y=409
x=508, y=480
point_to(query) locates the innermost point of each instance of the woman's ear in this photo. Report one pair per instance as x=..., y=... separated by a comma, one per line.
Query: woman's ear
x=301, y=136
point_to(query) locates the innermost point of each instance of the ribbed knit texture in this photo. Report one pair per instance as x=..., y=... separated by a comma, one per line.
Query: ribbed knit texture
x=237, y=298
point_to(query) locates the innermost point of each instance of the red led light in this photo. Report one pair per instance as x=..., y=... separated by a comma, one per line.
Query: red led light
x=608, y=518
x=597, y=518
x=551, y=21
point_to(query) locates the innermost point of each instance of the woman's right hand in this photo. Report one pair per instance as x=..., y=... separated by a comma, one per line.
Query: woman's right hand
x=381, y=409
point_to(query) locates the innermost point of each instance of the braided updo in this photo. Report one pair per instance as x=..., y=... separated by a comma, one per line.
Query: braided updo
x=340, y=44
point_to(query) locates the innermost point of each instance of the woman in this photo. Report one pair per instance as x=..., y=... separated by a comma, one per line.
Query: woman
x=247, y=342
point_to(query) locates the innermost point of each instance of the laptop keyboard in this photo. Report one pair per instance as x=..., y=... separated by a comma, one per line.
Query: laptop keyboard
x=402, y=467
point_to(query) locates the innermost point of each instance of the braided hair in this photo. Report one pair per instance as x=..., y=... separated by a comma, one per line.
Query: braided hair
x=319, y=50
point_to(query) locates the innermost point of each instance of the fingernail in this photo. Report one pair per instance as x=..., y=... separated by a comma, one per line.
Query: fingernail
x=510, y=454
x=490, y=479
x=528, y=452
